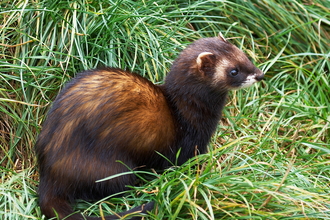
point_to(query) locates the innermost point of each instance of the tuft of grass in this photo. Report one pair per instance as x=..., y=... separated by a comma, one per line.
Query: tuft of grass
x=18, y=198
x=269, y=158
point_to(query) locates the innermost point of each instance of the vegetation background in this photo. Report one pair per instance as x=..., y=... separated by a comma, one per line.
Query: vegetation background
x=270, y=157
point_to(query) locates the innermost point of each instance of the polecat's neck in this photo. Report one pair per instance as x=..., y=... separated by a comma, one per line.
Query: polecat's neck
x=197, y=110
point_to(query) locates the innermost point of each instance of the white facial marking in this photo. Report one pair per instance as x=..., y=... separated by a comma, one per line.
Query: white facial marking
x=220, y=71
x=250, y=80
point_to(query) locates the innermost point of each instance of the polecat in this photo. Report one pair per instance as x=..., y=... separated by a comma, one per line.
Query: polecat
x=108, y=115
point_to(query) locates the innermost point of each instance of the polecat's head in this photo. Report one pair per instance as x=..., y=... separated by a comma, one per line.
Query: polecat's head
x=228, y=65
x=220, y=63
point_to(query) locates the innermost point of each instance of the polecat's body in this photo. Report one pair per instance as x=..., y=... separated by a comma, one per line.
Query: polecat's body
x=108, y=115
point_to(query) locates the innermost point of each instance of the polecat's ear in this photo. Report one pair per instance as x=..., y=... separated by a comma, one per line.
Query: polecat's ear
x=222, y=37
x=206, y=63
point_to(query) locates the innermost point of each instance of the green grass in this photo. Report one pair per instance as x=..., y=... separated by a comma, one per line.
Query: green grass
x=269, y=158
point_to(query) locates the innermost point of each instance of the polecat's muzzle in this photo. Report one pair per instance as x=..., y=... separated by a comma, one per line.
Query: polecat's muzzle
x=260, y=77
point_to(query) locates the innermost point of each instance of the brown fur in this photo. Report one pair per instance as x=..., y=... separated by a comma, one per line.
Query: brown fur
x=108, y=115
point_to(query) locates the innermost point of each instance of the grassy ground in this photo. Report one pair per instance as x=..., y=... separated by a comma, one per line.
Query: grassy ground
x=270, y=157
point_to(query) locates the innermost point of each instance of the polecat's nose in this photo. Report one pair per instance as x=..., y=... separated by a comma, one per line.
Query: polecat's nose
x=260, y=76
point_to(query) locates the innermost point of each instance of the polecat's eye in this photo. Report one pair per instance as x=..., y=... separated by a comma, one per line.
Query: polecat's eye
x=233, y=72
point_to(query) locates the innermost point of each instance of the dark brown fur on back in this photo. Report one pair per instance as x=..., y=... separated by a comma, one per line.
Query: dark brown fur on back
x=108, y=115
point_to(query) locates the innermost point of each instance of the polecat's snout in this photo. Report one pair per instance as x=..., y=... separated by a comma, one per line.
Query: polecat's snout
x=251, y=79
x=260, y=76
